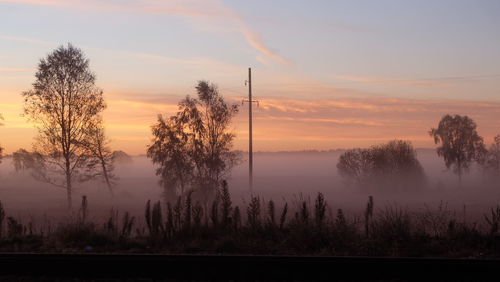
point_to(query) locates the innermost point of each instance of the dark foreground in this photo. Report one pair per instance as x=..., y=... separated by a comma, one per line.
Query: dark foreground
x=98, y=267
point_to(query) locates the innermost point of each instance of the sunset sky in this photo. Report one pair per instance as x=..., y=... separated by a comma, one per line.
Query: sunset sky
x=328, y=74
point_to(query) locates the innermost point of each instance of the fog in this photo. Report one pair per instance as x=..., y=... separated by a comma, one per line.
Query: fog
x=279, y=176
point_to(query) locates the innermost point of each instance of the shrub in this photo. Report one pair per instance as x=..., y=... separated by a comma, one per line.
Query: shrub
x=389, y=166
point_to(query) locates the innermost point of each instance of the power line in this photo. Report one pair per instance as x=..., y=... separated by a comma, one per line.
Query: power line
x=382, y=80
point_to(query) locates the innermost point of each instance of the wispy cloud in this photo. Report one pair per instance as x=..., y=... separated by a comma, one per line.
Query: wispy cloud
x=378, y=105
x=312, y=120
x=391, y=80
x=197, y=61
x=35, y=2
x=24, y=39
x=216, y=9
x=311, y=106
x=194, y=62
x=209, y=10
x=256, y=42
x=432, y=81
x=290, y=124
x=16, y=69
x=342, y=119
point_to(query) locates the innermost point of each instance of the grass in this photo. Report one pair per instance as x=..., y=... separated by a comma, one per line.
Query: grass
x=261, y=227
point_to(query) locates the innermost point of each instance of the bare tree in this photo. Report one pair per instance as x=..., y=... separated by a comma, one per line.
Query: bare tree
x=101, y=161
x=194, y=147
x=63, y=103
x=460, y=142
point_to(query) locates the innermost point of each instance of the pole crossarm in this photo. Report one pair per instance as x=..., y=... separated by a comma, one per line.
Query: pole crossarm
x=247, y=101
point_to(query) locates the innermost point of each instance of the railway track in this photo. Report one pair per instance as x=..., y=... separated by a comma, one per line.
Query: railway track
x=228, y=267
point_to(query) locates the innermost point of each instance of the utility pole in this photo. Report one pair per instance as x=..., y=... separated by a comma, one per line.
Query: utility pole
x=250, y=145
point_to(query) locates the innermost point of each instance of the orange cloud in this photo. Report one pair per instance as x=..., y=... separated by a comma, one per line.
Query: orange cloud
x=282, y=124
x=348, y=121
x=295, y=124
x=308, y=106
x=358, y=122
x=17, y=69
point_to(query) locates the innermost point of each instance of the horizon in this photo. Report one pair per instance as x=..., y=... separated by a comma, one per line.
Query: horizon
x=330, y=75
x=245, y=152
x=336, y=150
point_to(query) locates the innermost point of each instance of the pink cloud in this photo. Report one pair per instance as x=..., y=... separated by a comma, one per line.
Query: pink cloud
x=392, y=80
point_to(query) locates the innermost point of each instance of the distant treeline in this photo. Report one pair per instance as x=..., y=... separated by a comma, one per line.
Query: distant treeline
x=260, y=227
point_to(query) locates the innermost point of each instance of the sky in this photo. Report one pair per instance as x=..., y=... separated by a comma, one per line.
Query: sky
x=327, y=74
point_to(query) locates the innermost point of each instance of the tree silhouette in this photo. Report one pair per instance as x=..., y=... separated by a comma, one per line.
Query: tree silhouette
x=460, y=142
x=397, y=157
x=194, y=147
x=170, y=151
x=63, y=103
x=101, y=161
x=120, y=157
x=394, y=163
x=23, y=160
x=490, y=160
x=354, y=165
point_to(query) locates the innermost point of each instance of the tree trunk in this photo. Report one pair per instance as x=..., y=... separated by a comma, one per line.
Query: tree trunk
x=106, y=177
x=460, y=174
x=68, y=192
x=68, y=185
x=182, y=187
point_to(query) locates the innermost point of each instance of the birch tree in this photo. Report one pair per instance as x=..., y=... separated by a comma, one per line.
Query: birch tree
x=63, y=103
x=193, y=148
x=460, y=144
